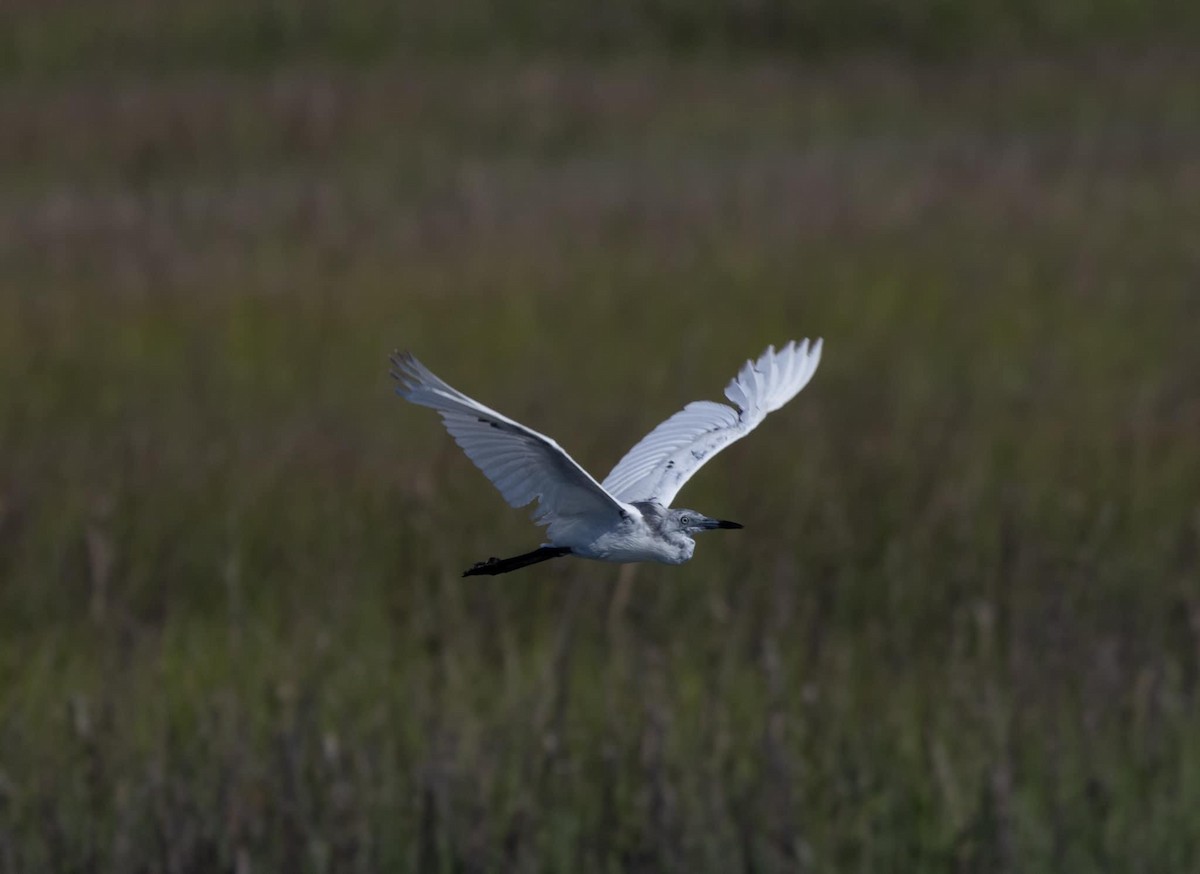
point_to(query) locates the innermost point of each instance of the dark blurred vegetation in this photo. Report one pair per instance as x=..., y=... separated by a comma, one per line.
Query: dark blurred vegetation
x=63, y=35
x=961, y=630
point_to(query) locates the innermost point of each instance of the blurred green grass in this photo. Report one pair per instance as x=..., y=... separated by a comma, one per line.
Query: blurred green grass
x=39, y=39
x=960, y=631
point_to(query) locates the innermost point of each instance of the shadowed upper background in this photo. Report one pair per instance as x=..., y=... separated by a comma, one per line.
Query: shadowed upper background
x=961, y=630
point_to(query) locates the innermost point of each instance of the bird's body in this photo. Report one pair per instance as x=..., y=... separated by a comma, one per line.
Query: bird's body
x=643, y=535
x=627, y=518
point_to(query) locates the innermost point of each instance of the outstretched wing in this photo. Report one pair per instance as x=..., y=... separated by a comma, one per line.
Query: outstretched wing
x=519, y=461
x=659, y=465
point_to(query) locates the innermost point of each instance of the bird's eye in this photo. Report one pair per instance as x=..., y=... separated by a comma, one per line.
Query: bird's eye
x=686, y=520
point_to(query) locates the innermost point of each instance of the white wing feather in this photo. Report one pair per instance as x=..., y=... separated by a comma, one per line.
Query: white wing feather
x=521, y=463
x=666, y=458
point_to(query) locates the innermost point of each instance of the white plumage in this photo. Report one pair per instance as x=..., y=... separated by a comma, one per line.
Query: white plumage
x=625, y=518
x=666, y=458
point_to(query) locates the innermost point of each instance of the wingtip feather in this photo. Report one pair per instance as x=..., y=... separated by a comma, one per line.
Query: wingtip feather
x=410, y=373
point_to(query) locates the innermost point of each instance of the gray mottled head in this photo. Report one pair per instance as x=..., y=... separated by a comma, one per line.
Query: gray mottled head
x=691, y=522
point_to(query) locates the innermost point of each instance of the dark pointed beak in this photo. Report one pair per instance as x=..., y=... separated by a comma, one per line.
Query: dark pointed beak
x=725, y=523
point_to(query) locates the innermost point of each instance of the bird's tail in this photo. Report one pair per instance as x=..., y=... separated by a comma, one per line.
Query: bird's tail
x=494, y=566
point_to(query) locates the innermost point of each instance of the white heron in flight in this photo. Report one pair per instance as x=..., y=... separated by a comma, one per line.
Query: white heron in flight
x=625, y=518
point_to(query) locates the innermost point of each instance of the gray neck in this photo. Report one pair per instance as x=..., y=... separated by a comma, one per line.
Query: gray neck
x=653, y=514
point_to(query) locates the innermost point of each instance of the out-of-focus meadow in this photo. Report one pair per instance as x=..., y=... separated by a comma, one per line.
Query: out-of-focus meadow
x=961, y=629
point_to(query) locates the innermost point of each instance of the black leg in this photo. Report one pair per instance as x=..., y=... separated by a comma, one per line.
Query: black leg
x=494, y=566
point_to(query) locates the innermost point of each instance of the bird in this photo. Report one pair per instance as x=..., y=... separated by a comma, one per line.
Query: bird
x=627, y=517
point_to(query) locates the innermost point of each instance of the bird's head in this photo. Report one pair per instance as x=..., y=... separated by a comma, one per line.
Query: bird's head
x=691, y=522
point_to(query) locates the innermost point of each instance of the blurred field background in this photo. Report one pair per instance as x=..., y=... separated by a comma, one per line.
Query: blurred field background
x=961, y=631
